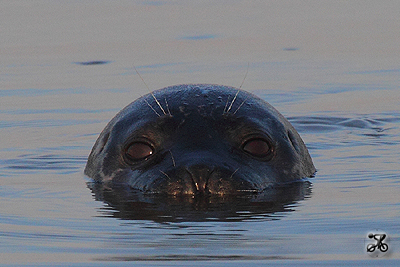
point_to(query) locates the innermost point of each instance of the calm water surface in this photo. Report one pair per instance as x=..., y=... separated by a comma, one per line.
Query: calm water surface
x=331, y=67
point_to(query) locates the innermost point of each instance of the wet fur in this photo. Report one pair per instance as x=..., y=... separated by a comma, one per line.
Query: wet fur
x=187, y=107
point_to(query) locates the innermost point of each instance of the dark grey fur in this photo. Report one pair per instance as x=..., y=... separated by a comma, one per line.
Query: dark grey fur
x=197, y=138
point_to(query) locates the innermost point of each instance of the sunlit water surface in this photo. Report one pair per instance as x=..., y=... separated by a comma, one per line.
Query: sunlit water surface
x=341, y=93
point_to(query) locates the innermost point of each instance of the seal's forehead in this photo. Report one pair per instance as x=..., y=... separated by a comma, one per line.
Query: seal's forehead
x=204, y=96
x=198, y=103
x=199, y=92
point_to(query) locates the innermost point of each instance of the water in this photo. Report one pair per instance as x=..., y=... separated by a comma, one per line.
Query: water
x=330, y=67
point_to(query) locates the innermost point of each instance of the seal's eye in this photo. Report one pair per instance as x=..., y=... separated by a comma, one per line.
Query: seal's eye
x=257, y=147
x=139, y=151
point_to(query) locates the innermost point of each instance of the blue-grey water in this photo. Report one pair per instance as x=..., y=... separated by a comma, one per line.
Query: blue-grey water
x=67, y=67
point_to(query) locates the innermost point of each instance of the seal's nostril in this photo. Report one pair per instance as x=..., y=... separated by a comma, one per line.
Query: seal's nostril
x=200, y=175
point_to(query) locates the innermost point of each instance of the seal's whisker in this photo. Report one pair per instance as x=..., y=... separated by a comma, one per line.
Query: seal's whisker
x=172, y=157
x=240, y=105
x=233, y=173
x=233, y=100
x=158, y=103
x=152, y=108
x=226, y=105
x=244, y=78
x=166, y=104
x=240, y=87
x=248, y=191
x=166, y=175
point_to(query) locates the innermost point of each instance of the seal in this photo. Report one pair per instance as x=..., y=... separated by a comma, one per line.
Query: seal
x=199, y=139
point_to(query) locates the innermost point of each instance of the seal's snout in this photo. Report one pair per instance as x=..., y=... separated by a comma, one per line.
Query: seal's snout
x=200, y=175
x=204, y=180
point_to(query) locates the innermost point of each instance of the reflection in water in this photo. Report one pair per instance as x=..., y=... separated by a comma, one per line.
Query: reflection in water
x=124, y=203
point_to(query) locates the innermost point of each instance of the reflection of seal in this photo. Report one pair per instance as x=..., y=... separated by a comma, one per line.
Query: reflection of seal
x=199, y=139
x=272, y=204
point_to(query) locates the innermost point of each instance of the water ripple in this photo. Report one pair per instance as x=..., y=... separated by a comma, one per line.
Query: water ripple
x=374, y=127
x=45, y=123
x=29, y=163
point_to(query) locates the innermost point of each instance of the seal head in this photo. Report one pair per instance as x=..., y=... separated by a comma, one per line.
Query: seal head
x=199, y=139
